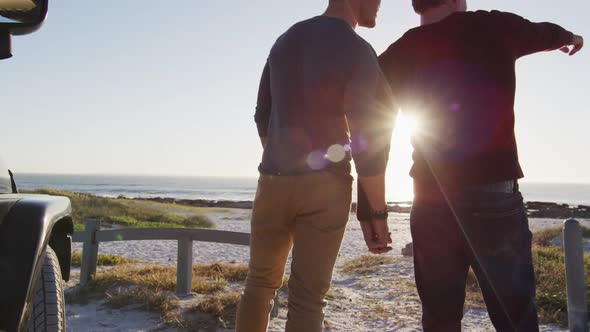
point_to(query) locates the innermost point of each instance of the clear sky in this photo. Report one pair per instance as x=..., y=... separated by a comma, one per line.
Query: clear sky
x=140, y=87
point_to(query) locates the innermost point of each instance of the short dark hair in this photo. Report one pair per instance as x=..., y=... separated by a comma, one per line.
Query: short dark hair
x=420, y=6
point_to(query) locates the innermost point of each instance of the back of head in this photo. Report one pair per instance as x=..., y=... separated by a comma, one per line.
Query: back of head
x=363, y=11
x=422, y=6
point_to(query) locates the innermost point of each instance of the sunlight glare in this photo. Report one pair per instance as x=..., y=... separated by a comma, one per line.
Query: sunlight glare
x=406, y=123
x=399, y=183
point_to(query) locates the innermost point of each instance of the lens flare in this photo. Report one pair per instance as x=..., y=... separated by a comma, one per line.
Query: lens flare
x=336, y=153
x=317, y=160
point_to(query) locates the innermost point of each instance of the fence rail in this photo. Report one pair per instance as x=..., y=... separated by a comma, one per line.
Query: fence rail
x=138, y=234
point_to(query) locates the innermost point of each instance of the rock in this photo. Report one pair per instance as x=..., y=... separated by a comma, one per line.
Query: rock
x=408, y=250
x=235, y=205
x=395, y=208
x=159, y=199
x=544, y=205
x=399, y=208
x=556, y=211
x=203, y=203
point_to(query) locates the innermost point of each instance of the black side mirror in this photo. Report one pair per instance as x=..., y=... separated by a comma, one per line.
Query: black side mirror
x=13, y=183
x=19, y=17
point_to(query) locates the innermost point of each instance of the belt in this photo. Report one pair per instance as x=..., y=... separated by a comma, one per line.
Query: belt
x=510, y=187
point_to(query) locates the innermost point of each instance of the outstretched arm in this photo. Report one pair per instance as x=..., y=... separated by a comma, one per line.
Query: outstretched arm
x=524, y=37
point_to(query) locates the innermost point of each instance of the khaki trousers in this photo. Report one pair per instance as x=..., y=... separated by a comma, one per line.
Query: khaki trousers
x=308, y=214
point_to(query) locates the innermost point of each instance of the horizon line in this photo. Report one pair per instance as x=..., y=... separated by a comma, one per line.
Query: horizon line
x=136, y=174
x=524, y=180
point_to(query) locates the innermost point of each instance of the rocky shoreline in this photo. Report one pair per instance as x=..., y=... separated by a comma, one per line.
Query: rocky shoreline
x=557, y=211
x=535, y=209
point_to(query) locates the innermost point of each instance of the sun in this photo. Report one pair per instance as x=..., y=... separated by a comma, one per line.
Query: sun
x=407, y=124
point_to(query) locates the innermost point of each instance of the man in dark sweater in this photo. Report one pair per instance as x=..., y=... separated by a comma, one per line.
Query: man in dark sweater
x=456, y=75
x=318, y=108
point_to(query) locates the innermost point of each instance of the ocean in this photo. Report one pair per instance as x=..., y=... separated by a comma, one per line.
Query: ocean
x=237, y=189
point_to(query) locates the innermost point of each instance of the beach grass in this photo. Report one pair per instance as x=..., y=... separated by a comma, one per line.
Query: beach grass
x=151, y=287
x=158, y=278
x=177, y=208
x=378, y=310
x=546, y=236
x=143, y=297
x=366, y=264
x=123, y=212
x=221, y=306
x=229, y=272
x=549, y=262
x=207, y=278
x=103, y=260
x=549, y=265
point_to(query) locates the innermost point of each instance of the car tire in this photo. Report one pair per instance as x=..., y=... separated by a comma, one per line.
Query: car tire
x=48, y=312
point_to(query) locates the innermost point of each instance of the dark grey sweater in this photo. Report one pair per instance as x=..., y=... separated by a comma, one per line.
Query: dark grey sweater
x=322, y=101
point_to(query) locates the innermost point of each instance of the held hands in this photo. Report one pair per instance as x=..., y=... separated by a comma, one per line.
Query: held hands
x=371, y=211
x=377, y=235
x=577, y=43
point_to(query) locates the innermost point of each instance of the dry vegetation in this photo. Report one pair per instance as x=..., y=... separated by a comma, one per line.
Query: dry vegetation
x=103, y=260
x=366, y=264
x=151, y=287
x=125, y=213
x=223, y=307
x=549, y=264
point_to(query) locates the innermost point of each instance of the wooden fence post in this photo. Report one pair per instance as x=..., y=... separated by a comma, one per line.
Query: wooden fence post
x=573, y=246
x=89, y=252
x=184, y=267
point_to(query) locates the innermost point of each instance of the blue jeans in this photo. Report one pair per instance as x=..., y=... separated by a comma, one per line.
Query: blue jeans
x=487, y=231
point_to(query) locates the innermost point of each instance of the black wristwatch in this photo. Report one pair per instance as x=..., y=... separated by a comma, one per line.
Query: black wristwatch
x=380, y=215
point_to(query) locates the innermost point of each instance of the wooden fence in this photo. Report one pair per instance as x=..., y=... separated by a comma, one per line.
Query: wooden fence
x=92, y=236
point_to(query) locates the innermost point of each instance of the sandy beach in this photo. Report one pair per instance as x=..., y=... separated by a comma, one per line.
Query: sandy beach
x=380, y=301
